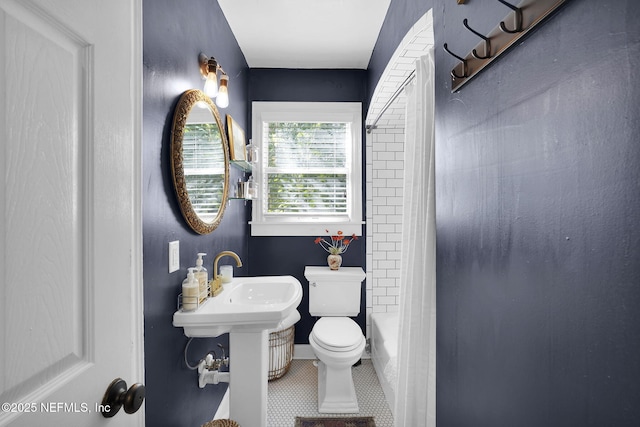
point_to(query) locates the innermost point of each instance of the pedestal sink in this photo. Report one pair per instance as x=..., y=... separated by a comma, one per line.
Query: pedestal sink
x=246, y=309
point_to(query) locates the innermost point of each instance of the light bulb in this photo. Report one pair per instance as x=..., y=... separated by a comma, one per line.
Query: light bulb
x=222, y=100
x=211, y=85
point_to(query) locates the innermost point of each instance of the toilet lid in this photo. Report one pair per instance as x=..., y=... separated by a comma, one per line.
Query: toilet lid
x=337, y=333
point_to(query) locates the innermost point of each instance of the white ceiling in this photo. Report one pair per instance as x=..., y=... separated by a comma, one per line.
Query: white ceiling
x=306, y=33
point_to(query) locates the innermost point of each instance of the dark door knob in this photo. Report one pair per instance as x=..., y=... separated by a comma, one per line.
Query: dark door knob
x=118, y=396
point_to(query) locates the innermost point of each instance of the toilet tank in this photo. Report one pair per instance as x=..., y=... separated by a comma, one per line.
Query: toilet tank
x=334, y=292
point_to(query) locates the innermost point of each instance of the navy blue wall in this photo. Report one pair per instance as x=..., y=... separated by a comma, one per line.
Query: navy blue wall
x=174, y=35
x=537, y=186
x=538, y=243
x=289, y=255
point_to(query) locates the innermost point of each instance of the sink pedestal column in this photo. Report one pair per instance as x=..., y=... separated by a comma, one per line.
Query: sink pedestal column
x=249, y=368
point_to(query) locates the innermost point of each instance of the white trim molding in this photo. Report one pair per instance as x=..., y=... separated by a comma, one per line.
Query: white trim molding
x=349, y=222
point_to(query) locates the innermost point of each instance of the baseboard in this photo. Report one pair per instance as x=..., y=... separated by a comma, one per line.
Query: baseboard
x=305, y=352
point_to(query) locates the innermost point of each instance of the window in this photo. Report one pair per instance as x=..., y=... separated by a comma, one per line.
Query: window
x=309, y=172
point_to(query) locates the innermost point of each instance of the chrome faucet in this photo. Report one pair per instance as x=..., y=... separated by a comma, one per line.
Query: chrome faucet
x=216, y=282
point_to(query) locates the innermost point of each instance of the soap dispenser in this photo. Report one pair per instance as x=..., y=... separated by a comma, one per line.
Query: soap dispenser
x=190, y=291
x=202, y=276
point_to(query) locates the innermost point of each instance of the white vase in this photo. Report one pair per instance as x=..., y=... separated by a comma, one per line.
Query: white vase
x=334, y=261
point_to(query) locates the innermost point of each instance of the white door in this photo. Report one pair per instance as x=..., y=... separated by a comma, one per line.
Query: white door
x=70, y=210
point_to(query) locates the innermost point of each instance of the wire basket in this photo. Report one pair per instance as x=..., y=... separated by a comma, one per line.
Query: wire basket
x=221, y=423
x=280, y=352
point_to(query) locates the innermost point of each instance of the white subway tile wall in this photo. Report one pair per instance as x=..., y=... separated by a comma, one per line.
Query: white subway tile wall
x=385, y=172
x=384, y=187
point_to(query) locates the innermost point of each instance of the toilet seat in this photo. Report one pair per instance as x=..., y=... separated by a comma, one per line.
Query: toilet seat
x=339, y=334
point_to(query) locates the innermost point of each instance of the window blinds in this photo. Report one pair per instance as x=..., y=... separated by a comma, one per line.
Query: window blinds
x=306, y=168
x=203, y=163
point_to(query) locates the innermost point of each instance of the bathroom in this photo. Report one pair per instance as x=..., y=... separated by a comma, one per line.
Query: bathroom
x=496, y=369
x=536, y=211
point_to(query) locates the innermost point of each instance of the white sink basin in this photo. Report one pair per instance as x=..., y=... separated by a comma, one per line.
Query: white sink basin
x=254, y=292
x=246, y=304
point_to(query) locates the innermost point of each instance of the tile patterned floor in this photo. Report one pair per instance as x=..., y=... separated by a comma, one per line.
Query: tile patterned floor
x=296, y=394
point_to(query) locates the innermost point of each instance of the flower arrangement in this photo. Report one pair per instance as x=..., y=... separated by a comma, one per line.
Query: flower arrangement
x=338, y=244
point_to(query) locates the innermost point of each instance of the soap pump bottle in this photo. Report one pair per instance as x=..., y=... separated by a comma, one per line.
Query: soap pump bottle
x=190, y=291
x=202, y=276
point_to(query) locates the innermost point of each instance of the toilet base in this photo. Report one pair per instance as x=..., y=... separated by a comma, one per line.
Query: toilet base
x=336, y=392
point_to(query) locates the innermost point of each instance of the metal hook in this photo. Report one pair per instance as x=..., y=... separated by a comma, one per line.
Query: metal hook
x=464, y=64
x=487, y=42
x=518, y=13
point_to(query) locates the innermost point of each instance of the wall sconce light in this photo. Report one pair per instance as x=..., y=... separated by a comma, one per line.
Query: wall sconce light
x=209, y=69
x=223, y=94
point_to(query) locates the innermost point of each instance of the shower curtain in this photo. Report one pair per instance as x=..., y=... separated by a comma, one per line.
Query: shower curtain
x=416, y=388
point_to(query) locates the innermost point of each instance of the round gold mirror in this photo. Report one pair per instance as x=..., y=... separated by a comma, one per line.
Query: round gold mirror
x=199, y=161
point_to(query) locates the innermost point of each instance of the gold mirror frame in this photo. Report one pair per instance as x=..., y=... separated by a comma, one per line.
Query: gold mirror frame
x=187, y=101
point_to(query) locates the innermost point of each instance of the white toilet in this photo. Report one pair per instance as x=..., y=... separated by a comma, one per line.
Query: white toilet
x=337, y=340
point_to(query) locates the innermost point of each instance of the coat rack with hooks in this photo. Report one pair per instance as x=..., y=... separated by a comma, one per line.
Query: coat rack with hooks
x=520, y=21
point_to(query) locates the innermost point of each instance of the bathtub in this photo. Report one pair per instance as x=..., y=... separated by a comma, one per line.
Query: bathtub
x=384, y=352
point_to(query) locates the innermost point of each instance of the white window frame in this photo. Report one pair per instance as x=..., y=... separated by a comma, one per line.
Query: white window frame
x=263, y=224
